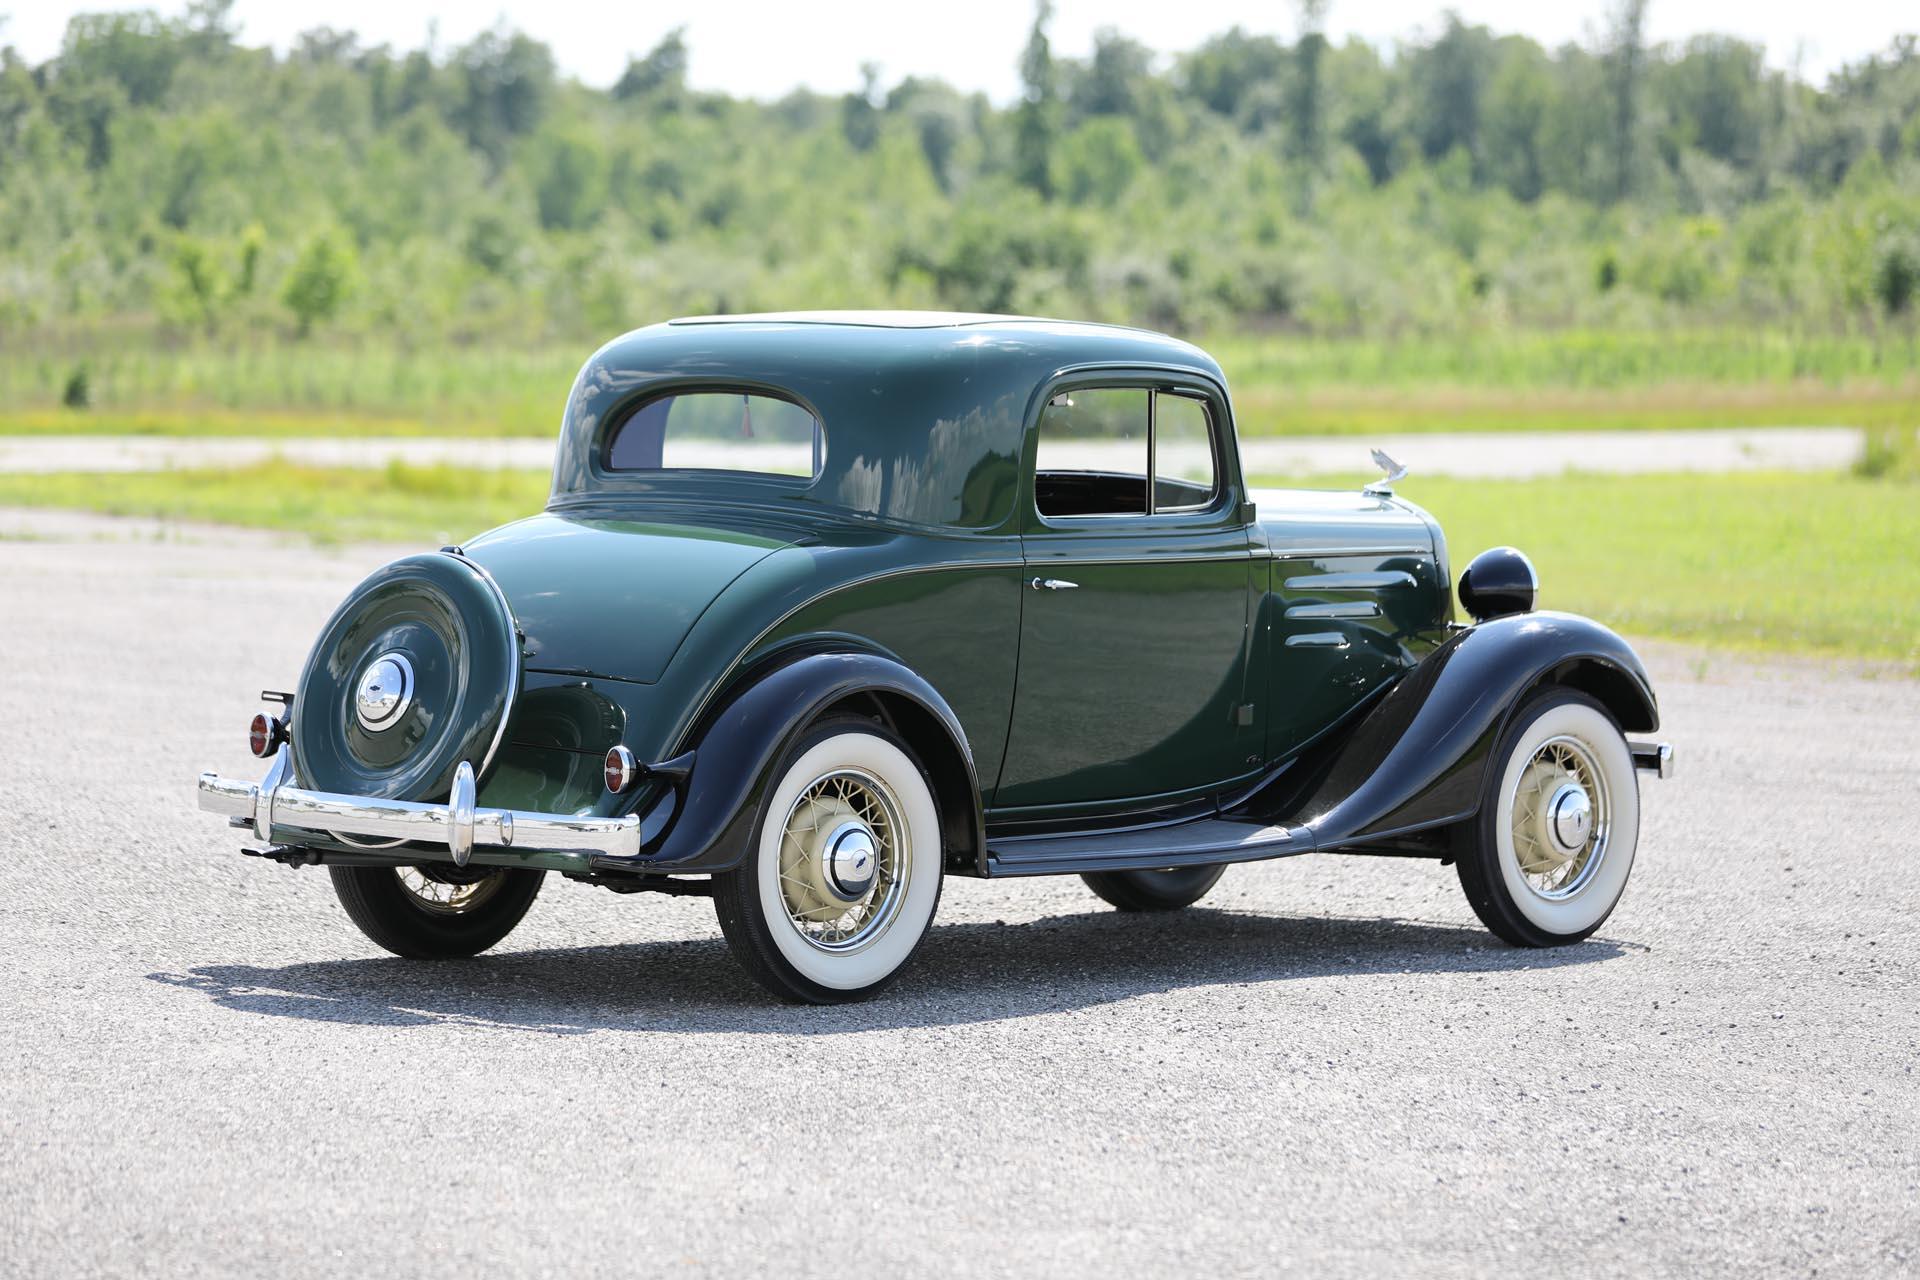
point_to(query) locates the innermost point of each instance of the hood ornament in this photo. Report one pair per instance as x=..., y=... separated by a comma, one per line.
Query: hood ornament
x=1383, y=487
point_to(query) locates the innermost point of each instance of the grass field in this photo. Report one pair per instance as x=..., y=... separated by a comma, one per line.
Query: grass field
x=1821, y=564
x=1283, y=384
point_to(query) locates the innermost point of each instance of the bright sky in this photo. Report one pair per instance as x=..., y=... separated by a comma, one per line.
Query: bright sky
x=763, y=49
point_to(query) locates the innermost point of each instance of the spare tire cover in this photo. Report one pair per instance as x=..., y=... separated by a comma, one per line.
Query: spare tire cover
x=448, y=623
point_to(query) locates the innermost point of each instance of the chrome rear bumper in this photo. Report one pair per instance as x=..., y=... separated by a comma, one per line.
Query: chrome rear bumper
x=279, y=811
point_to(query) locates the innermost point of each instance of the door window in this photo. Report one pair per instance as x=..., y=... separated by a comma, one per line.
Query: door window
x=1092, y=458
x=1184, y=477
x=1124, y=451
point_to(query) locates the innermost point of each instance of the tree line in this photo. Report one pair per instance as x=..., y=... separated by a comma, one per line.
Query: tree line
x=158, y=175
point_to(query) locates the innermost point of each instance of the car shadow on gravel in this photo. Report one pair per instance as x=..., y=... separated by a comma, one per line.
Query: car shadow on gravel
x=964, y=973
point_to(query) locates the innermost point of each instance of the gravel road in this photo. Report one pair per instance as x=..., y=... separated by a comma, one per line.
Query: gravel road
x=1327, y=1068
x=1483, y=454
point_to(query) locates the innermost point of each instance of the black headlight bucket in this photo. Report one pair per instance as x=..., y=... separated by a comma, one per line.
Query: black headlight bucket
x=1499, y=582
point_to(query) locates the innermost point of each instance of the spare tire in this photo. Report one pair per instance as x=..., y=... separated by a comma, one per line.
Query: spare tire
x=417, y=671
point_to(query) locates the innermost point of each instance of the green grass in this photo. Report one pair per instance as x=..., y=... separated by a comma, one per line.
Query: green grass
x=1822, y=564
x=1283, y=384
x=400, y=503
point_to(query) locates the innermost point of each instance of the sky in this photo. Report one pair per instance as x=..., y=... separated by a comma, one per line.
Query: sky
x=761, y=49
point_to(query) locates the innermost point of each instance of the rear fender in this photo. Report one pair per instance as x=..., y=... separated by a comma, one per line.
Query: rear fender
x=738, y=746
x=1419, y=757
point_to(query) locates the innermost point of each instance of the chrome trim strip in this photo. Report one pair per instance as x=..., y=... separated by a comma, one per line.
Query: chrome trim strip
x=1355, y=609
x=292, y=812
x=515, y=663
x=1317, y=640
x=1350, y=581
x=1231, y=554
x=1316, y=553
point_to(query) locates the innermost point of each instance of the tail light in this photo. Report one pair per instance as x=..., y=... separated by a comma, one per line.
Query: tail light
x=621, y=770
x=265, y=734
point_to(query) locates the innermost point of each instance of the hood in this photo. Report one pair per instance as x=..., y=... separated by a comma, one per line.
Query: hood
x=612, y=598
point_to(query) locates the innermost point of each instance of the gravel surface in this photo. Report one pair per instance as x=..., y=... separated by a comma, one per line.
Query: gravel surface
x=1325, y=1068
x=1486, y=454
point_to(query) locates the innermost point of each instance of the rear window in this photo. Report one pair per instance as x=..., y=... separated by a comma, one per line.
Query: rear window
x=719, y=431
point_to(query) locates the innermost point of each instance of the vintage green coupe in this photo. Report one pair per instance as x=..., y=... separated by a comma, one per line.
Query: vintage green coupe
x=826, y=607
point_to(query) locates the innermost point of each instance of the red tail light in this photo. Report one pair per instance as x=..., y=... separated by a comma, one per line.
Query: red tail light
x=265, y=735
x=621, y=770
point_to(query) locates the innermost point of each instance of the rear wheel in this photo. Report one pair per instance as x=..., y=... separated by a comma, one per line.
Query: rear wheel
x=1167, y=890
x=1548, y=856
x=841, y=880
x=436, y=912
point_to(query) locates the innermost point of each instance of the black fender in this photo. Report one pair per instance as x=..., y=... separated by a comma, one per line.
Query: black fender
x=1418, y=758
x=738, y=745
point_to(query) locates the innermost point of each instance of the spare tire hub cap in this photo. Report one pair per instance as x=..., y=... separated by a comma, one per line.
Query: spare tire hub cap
x=385, y=689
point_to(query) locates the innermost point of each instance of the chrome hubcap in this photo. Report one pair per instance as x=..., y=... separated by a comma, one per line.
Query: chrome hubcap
x=1561, y=812
x=851, y=857
x=843, y=869
x=1571, y=814
x=385, y=689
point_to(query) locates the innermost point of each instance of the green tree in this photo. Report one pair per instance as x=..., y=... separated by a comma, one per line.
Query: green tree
x=1625, y=59
x=859, y=117
x=1099, y=160
x=506, y=83
x=570, y=180
x=1519, y=99
x=1306, y=105
x=202, y=285
x=322, y=279
x=1036, y=119
x=1447, y=83
x=662, y=73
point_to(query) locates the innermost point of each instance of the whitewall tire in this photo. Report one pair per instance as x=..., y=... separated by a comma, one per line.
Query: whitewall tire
x=1550, y=852
x=842, y=876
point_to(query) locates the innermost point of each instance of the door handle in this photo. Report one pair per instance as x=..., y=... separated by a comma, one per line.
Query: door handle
x=1052, y=584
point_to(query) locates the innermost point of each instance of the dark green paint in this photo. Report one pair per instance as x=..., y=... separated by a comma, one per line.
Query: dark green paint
x=1165, y=676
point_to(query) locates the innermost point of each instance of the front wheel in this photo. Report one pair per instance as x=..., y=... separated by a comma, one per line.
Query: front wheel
x=1167, y=890
x=435, y=912
x=841, y=880
x=1548, y=856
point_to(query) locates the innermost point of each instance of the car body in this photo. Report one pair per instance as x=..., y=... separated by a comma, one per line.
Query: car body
x=1023, y=550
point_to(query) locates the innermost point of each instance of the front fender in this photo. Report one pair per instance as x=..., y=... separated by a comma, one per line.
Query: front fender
x=1419, y=758
x=739, y=745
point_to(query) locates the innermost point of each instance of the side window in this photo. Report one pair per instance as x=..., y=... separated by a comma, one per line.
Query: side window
x=1184, y=478
x=719, y=431
x=1092, y=458
x=1124, y=451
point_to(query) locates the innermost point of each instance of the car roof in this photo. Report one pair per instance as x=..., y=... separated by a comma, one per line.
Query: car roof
x=899, y=320
x=921, y=409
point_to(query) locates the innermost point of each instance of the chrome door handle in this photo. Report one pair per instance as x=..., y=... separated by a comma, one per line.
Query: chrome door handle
x=1052, y=584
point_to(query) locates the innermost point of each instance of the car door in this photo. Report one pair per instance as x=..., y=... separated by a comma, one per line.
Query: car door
x=1134, y=626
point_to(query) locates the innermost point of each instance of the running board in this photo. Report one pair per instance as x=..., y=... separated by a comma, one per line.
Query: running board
x=1185, y=844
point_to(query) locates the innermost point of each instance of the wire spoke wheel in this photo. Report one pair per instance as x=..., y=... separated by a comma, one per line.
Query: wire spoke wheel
x=449, y=892
x=1545, y=861
x=842, y=872
x=1561, y=815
